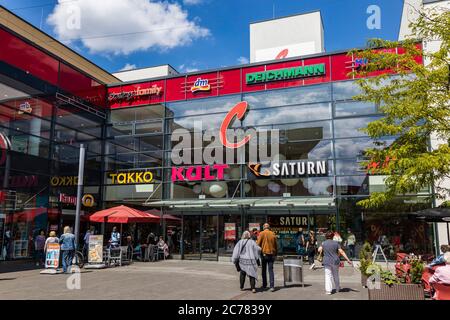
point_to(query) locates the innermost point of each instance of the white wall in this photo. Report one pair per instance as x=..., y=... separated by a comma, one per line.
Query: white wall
x=300, y=34
x=145, y=73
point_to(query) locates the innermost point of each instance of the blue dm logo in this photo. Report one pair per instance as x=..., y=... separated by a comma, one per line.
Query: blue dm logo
x=201, y=85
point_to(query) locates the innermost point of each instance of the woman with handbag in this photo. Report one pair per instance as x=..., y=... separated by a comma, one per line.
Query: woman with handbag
x=245, y=257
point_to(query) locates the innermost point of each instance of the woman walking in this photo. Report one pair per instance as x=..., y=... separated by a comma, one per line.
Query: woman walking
x=246, y=255
x=331, y=251
x=67, y=242
x=311, y=247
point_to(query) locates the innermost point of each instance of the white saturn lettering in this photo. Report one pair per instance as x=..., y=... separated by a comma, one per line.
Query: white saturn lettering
x=299, y=168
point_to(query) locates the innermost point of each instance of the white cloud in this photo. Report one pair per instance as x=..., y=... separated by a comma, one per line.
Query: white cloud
x=184, y=68
x=243, y=60
x=122, y=27
x=192, y=2
x=128, y=67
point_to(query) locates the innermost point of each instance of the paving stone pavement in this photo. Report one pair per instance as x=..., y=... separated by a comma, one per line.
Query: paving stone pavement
x=174, y=280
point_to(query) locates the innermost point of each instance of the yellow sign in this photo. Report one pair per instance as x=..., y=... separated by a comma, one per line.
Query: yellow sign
x=88, y=200
x=131, y=177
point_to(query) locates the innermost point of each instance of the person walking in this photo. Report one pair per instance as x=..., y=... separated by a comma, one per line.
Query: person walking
x=301, y=243
x=267, y=240
x=331, y=251
x=311, y=247
x=67, y=241
x=39, y=245
x=52, y=238
x=89, y=232
x=351, y=241
x=246, y=255
x=254, y=234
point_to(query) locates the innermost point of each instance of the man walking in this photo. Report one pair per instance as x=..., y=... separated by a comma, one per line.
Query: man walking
x=267, y=240
x=351, y=240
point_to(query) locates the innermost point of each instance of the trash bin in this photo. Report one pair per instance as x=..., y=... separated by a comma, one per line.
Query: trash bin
x=293, y=270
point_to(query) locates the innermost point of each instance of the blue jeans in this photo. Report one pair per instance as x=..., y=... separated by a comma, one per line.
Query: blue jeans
x=67, y=257
x=267, y=261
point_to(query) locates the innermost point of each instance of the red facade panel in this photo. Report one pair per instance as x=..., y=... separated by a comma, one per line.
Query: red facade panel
x=24, y=56
x=231, y=80
x=174, y=91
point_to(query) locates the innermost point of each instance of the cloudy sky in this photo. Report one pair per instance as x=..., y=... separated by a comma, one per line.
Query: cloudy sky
x=190, y=34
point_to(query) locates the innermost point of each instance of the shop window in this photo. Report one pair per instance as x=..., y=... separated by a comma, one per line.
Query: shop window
x=304, y=187
x=306, y=131
x=141, y=113
x=354, y=108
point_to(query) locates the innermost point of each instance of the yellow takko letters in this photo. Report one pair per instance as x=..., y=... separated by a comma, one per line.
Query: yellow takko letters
x=131, y=177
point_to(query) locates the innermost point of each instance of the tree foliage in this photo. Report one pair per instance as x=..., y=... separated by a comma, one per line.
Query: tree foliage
x=415, y=104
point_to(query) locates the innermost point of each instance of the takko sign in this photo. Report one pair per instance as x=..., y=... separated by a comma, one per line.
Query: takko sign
x=138, y=92
x=199, y=173
x=286, y=73
x=131, y=177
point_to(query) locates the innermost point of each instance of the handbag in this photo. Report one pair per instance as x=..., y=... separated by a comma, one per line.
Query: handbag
x=320, y=257
x=236, y=262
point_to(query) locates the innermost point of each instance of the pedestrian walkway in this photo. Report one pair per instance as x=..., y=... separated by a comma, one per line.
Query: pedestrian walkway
x=171, y=279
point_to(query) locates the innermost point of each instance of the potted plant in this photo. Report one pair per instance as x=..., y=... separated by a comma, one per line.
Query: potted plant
x=365, y=260
x=392, y=287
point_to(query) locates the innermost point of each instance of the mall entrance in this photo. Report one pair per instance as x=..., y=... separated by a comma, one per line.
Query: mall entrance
x=208, y=235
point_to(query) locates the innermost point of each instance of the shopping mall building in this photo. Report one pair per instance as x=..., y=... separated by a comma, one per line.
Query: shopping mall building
x=184, y=145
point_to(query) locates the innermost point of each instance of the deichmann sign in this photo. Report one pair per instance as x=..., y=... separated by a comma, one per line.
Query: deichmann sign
x=131, y=177
x=286, y=74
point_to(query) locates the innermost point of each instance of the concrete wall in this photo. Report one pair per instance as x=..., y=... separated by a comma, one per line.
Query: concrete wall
x=300, y=34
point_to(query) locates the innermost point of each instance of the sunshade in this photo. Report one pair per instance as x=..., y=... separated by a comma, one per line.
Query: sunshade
x=167, y=217
x=122, y=214
x=433, y=215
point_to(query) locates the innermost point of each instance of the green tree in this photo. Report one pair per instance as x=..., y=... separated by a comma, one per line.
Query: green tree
x=415, y=104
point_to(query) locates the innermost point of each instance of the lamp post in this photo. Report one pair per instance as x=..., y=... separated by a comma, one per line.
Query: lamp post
x=79, y=193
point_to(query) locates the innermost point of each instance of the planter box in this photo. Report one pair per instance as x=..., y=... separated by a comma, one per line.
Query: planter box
x=364, y=280
x=398, y=292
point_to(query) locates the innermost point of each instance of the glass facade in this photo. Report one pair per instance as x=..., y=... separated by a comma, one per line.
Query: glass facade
x=317, y=122
x=46, y=116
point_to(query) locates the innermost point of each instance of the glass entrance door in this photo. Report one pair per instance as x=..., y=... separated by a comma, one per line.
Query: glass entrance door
x=191, y=237
x=209, y=237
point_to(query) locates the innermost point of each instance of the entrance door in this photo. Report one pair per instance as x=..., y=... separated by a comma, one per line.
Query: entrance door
x=191, y=237
x=209, y=237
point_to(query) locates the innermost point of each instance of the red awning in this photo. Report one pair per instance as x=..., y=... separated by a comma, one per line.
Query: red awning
x=123, y=214
x=167, y=217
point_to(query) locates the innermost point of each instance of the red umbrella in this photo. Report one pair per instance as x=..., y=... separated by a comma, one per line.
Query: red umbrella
x=167, y=217
x=122, y=214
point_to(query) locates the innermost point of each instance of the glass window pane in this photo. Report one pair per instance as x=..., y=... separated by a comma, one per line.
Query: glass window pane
x=354, y=108
x=350, y=167
x=314, y=149
x=300, y=95
x=282, y=115
x=305, y=131
x=202, y=106
x=148, y=127
x=353, y=148
x=345, y=90
x=352, y=185
x=351, y=127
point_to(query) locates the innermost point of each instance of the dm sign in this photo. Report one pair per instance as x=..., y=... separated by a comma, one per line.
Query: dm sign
x=286, y=74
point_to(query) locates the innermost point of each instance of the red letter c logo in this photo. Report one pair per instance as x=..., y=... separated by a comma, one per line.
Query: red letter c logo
x=238, y=111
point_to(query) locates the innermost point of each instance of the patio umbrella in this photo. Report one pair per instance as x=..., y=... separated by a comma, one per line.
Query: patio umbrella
x=167, y=217
x=433, y=215
x=122, y=214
